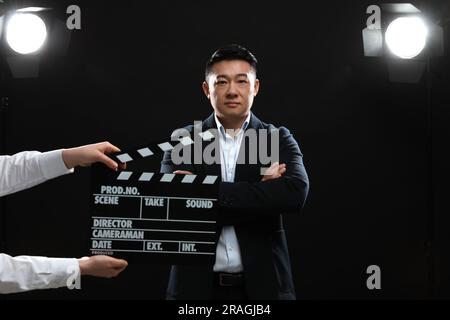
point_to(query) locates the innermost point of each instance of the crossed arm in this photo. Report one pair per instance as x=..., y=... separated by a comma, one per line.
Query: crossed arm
x=283, y=191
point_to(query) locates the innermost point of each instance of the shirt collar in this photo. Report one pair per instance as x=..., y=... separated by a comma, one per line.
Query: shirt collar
x=222, y=129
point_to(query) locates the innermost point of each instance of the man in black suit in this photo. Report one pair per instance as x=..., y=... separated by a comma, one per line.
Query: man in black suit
x=252, y=259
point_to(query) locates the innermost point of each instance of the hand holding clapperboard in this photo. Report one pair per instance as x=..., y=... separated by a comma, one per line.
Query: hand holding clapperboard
x=148, y=216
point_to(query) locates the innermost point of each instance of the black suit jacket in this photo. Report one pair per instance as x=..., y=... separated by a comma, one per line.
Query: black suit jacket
x=255, y=210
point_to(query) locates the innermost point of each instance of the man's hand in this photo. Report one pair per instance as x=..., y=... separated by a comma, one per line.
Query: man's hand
x=182, y=172
x=101, y=266
x=275, y=171
x=89, y=154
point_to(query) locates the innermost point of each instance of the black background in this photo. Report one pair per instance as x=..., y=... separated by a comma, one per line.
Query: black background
x=133, y=73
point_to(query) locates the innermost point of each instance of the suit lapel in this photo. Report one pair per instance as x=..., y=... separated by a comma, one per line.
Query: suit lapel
x=213, y=169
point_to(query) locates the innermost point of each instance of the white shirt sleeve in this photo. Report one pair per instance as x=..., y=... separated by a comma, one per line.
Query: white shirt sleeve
x=26, y=169
x=25, y=273
x=21, y=171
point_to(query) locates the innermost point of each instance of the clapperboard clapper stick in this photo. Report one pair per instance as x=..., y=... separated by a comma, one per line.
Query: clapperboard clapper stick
x=154, y=217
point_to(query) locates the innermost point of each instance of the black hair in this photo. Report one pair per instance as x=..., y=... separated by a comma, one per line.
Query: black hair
x=231, y=52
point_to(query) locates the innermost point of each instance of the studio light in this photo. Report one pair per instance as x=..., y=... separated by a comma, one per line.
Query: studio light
x=401, y=34
x=25, y=33
x=29, y=35
x=406, y=37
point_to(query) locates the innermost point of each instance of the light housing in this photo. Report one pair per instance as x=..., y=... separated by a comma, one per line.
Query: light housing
x=406, y=38
x=24, y=43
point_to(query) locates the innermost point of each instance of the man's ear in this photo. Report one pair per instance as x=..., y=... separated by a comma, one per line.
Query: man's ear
x=205, y=88
x=256, y=88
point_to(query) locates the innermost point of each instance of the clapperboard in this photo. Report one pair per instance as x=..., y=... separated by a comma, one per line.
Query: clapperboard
x=154, y=217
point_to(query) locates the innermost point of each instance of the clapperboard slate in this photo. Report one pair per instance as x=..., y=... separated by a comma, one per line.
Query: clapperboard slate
x=153, y=217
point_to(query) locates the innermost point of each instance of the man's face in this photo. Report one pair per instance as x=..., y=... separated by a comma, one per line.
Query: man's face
x=231, y=87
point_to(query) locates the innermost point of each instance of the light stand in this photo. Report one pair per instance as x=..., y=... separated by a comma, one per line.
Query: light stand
x=429, y=243
x=3, y=105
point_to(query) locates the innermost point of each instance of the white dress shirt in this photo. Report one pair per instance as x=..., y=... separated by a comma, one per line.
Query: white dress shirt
x=26, y=169
x=228, y=254
x=20, y=171
x=23, y=273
